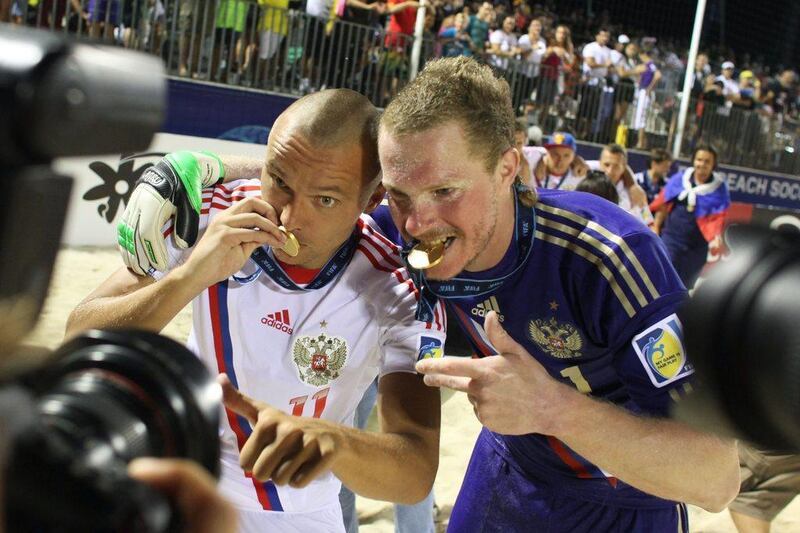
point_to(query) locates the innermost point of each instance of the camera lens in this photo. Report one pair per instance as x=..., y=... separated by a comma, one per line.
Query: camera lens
x=742, y=335
x=107, y=398
x=140, y=393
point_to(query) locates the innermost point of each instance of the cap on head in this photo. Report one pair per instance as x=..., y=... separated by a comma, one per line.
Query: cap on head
x=745, y=74
x=727, y=65
x=623, y=39
x=560, y=139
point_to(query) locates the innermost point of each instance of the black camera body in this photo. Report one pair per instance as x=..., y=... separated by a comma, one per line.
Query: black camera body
x=742, y=333
x=108, y=397
x=68, y=430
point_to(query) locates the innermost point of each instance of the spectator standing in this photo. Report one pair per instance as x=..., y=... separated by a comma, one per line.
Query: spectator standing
x=649, y=75
x=504, y=45
x=597, y=58
x=654, y=177
x=614, y=162
x=317, y=42
x=479, y=26
x=623, y=86
x=782, y=93
x=399, y=36
x=690, y=213
x=104, y=16
x=618, y=55
x=532, y=48
x=730, y=87
x=273, y=28
x=701, y=72
x=455, y=39
x=749, y=90
x=559, y=55
x=348, y=52
x=230, y=23
x=595, y=108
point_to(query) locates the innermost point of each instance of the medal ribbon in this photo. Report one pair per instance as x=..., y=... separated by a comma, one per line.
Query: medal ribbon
x=265, y=260
x=431, y=290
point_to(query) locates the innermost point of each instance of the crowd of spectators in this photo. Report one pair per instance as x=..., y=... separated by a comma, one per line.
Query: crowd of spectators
x=569, y=70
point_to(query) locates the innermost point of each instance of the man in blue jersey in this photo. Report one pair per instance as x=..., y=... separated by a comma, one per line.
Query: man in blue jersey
x=583, y=300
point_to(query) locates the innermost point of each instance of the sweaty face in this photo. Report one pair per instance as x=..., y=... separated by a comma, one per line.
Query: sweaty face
x=612, y=164
x=559, y=159
x=318, y=193
x=438, y=190
x=703, y=164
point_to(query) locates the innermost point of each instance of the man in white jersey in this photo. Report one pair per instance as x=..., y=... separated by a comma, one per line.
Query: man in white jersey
x=302, y=336
x=554, y=165
x=557, y=166
x=632, y=198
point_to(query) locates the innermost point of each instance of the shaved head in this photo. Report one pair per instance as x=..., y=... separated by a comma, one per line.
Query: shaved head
x=336, y=118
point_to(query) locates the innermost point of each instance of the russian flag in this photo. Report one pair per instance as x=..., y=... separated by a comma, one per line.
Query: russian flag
x=711, y=200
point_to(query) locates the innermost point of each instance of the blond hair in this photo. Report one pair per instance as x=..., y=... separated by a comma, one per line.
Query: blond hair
x=457, y=89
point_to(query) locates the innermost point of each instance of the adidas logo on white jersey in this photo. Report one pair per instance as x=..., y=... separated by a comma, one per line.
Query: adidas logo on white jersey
x=488, y=305
x=279, y=320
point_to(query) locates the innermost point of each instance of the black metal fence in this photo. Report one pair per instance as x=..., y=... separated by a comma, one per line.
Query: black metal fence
x=265, y=45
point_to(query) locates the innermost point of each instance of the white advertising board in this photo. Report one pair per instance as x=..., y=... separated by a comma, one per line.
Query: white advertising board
x=103, y=184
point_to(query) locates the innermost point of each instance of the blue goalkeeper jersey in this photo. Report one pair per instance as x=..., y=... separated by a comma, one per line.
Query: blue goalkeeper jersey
x=594, y=302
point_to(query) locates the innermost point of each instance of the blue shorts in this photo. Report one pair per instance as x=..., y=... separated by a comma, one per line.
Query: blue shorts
x=496, y=496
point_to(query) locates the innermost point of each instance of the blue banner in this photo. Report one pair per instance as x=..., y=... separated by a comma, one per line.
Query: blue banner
x=747, y=185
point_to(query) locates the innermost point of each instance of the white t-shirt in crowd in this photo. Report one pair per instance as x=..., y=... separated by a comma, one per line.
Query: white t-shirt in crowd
x=534, y=58
x=641, y=212
x=319, y=8
x=534, y=154
x=729, y=86
x=507, y=42
x=601, y=55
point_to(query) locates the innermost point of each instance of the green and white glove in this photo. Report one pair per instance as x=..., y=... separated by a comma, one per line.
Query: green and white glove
x=171, y=187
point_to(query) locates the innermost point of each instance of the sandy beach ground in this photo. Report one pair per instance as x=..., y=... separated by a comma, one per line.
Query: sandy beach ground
x=79, y=270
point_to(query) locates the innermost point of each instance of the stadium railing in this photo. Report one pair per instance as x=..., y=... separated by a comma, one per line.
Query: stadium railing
x=265, y=45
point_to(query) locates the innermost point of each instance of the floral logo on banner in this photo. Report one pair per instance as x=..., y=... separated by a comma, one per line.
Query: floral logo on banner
x=117, y=184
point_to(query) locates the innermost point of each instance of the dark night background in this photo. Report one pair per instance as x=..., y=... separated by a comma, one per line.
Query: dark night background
x=765, y=28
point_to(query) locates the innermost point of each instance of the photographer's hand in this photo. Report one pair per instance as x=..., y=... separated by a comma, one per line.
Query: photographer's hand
x=192, y=489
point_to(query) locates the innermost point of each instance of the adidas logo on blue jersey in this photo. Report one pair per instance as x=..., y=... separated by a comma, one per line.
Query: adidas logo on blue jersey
x=488, y=305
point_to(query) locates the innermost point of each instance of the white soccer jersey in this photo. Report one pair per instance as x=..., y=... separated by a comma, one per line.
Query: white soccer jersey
x=640, y=212
x=534, y=154
x=308, y=353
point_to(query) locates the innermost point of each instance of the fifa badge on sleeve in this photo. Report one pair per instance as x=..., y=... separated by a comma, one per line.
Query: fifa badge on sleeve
x=662, y=353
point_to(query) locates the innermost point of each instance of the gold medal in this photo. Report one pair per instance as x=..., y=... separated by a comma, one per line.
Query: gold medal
x=292, y=246
x=423, y=257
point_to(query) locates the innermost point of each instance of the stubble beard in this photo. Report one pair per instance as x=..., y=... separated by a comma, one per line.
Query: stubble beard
x=482, y=242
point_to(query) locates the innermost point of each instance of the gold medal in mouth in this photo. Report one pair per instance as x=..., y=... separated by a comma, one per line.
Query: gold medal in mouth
x=292, y=246
x=424, y=256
